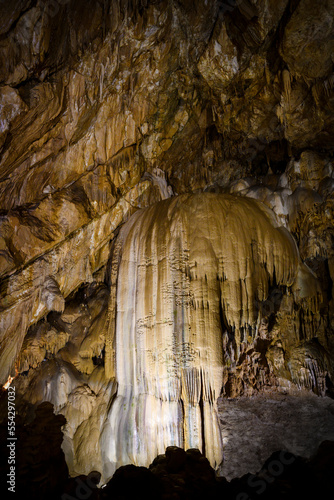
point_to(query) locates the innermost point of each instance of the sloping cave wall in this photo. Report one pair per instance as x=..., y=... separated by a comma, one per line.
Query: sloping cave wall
x=111, y=106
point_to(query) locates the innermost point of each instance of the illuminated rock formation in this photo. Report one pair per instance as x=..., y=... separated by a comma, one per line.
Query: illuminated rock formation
x=109, y=107
x=183, y=272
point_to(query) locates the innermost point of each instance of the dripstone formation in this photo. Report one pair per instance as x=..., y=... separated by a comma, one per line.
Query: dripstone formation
x=166, y=227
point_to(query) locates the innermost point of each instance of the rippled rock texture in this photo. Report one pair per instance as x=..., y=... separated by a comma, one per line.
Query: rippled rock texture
x=185, y=273
x=108, y=107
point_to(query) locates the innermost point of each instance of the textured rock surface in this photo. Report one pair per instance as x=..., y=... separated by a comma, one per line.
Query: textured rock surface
x=26, y=296
x=107, y=107
x=260, y=425
x=184, y=272
x=62, y=362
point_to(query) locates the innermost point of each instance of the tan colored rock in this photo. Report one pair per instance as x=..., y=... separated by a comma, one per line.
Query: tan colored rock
x=108, y=107
x=219, y=64
x=65, y=374
x=70, y=264
x=11, y=106
x=307, y=42
x=180, y=269
x=308, y=171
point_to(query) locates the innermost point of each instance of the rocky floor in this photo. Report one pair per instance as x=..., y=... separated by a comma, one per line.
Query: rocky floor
x=255, y=427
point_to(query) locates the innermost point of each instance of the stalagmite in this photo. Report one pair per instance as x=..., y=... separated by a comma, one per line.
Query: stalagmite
x=184, y=271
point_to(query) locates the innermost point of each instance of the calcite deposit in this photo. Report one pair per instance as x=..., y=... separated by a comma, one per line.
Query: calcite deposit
x=166, y=220
x=184, y=272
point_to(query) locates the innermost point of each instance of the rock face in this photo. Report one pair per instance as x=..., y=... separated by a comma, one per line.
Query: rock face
x=184, y=271
x=110, y=107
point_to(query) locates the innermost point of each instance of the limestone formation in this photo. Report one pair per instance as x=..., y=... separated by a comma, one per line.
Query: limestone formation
x=183, y=272
x=166, y=175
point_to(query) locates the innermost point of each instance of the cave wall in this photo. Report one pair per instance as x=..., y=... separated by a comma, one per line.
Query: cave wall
x=108, y=107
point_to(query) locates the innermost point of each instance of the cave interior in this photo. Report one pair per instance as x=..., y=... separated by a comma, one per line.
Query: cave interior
x=167, y=247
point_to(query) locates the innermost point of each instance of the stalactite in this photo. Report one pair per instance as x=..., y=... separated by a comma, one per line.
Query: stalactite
x=177, y=267
x=286, y=78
